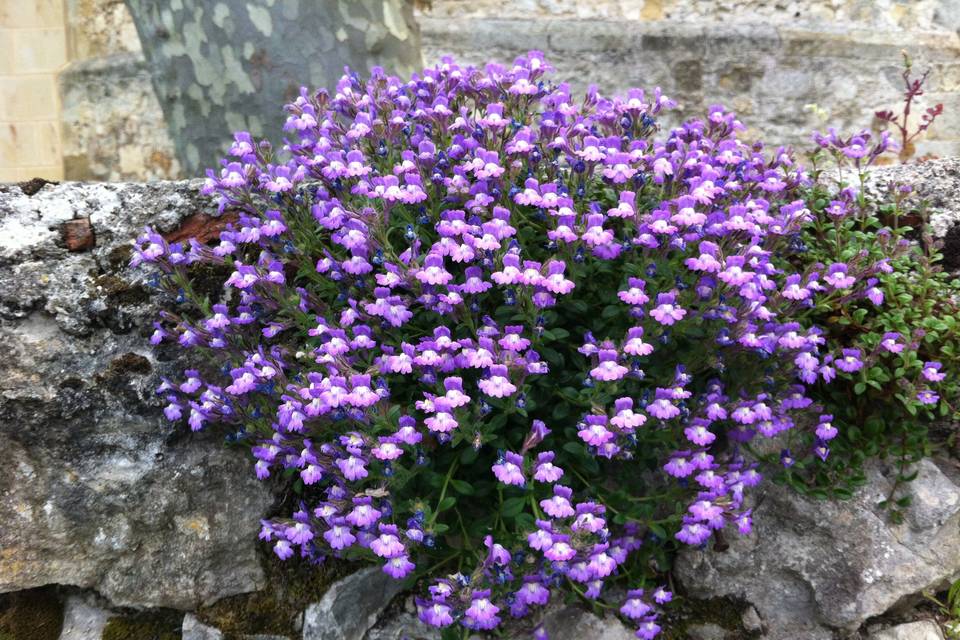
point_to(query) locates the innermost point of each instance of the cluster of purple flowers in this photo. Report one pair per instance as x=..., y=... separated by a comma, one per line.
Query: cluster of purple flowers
x=365, y=272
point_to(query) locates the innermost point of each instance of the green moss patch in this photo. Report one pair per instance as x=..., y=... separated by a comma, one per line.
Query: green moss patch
x=36, y=614
x=290, y=587
x=148, y=625
x=684, y=613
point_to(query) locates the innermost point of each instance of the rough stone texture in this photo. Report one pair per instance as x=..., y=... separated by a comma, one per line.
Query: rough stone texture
x=573, y=623
x=84, y=620
x=193, y=629
x=902, y=14
x=815, y=566
x=923, y=630
x=228, y=66
x=764, y=69
x=112, y=122
x=402, y=626
x=98, y=28
x=708, y=631
x=751, y=620
x=96, y=491
x=937, y=183
x=350, y=607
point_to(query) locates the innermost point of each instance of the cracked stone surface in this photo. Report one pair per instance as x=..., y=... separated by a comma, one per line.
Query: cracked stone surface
x=815, y=568
x=921, y=630
x=97, y=491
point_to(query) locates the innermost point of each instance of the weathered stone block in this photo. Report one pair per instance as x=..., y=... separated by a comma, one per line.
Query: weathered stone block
x=98, y=492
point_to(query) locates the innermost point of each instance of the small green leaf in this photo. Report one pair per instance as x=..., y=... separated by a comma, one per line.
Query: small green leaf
x=512, y=507
x=462, y=487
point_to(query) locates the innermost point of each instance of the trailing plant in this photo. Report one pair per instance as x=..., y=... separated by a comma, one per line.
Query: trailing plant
x=905, y=331
x=505, y=339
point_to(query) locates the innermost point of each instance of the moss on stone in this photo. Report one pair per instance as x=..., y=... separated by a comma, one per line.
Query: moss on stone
x=148, y=625
x=36, y=614
x=119, y=257
x=129, y=363
x=684, y=613
x=275, y=609
x=120, y=291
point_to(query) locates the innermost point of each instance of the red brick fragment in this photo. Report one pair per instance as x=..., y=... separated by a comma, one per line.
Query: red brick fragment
x=78, y=234
x=201, y=226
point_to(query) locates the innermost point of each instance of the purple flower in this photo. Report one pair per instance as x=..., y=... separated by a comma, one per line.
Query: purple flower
x=931, y=371
x=634, y=606
x=890, y=342
x=634, y=294
x=509, y=469
x=558, y=506
x=283, y=549
x=662, y=596
x=648, y=630
x=680, y=465
x=435, y=614
x=693, y=533
x=608, y=368
x=825, y=429
x=533, y=592
x=851, y=361
x=667, y=312
x=838, y=278
x=545, y=470
x=339, y=536
x=595, y=431
x=398, y=567
x=482, y=613
x=497, y=384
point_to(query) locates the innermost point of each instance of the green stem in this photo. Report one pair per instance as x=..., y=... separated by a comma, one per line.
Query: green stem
x=443, y=491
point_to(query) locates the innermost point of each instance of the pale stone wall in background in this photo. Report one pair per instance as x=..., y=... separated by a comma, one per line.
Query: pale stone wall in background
x=32, y=52
x=113, y=127
x=765, y=59
x=99, y=117
x=884, y=14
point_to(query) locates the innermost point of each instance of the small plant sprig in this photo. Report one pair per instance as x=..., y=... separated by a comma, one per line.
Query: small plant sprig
x=908, y=333
x=949, y=607
x=508, y=340
x=912, y=89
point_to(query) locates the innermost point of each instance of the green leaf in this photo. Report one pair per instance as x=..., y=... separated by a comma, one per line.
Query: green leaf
x=526, y=522
x=462, y=487
x=446, y=503
x=512, y=507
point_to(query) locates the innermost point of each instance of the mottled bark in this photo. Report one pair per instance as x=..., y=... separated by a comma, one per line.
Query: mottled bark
x=227, y=65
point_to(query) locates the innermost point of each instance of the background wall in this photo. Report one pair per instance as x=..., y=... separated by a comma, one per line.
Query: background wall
x=766, y=59
x=32, y=52
x=79, y=99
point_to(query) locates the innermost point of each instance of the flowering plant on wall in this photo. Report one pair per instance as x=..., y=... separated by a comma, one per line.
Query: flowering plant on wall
x=503, y=338
x=904, y=333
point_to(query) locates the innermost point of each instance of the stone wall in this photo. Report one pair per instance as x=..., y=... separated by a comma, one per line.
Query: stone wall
x=921, y=15
x=766, y=60
x=32, y=51
x=111, y=513
x=113, y=127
